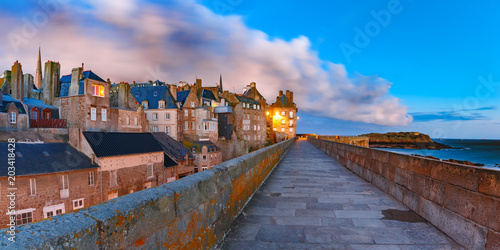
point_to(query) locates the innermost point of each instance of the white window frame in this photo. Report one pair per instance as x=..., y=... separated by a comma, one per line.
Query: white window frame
x=291, y=129
x=186, y=125
x=290, y=123
x=93, y=114
x=155, y=116
x=290, y=115
x=104, y=115
x=161, y=104
x=150, y=171
x=282, y=129
x=32, y=187
x=283, y=113
x=167, y=116
x=167, y=130
x=21, y=212
x=155, y=128
x=78, y=201
x=53, y=209
x=128, y=120
x=186, y=112
x=65, y=182
x=13, y=117
x=91, y=178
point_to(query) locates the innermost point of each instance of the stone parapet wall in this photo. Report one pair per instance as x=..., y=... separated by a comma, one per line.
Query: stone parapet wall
x=461, y=201
x=192, y=213
x=353, y=140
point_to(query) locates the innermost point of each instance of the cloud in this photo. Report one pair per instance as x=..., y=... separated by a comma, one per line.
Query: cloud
x=455, y=115
x=135, y=40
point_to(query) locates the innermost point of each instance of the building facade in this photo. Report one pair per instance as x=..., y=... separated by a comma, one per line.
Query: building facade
x=282, y=115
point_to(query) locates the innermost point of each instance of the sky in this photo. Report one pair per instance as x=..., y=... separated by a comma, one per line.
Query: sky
x=354, y=66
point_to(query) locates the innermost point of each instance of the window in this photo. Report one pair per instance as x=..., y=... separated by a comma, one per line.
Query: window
x=12, y=117
x=254, y=106
x=34, y=114
x=65, y=182
x=254, y=127
x=192, y=113
x=128, y=120
x=192, y=126
x=192, y=104
x=150, y=170
x=185, y=125
x=186, y=113
x=32, y=187
x=145, y=104
x=275, y=129
x=206, y=126
x=282, y=129
x=113, y=194
x=147, y=185
x=203, y=168
x=290, y=123
x=291, y=129
x=167, y=130
x=104, y=115
x=113, y=180
x=258, y=127
x=24, y=216
x=97, y=90
x=93, y=114
x=155, y=116
x=77, y=204
x=155, y=128
x=244, y=137
x=91, y=178
x=50, y=211
x=204, y=157
x=258, y=106
x=135, y=121
x=282, y=121
x=282, y=112
x=167, y=116
x=291, y=114
x=161, y=104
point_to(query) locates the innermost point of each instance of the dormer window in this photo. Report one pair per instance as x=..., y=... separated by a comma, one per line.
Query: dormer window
x=155, y=93
x=97, y=90
x=145, y=104
x=161, y=104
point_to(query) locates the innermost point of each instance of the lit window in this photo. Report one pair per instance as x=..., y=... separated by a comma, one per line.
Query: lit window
x=282, y=121
x=91, y=178
x=12, y=117
x=291, y=115
x=77, y=204
x=97, y=90
x=258, y=127
x=282, y=129
x=290, y=123
x=104, y=115
x=254, y=127
x=93, y=114
x=282, y=112
x=291, y=129
x=150, y=170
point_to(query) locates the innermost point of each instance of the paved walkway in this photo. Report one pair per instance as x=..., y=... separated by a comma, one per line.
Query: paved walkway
x=311, y=202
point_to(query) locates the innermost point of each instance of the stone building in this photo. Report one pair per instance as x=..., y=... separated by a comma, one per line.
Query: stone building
x=51, y=178
x=282, y=115
x=206, y=154
x=128, y=162
x=13, y=114
x=161, y=109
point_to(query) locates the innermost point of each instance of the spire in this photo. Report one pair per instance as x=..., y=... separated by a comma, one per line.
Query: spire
x=38, y=76
x=220, y=84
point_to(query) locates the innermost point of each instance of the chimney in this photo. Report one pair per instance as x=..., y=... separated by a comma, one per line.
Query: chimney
x=50, y=83
x=133, y=84
x=28, y=85
x=17, y=81
x=281, y=93
x=150, y=82
x=198, y=83
x=173, y=91
x=123, y=91
x=76, y=75
x=252, y=85
x=291, y=96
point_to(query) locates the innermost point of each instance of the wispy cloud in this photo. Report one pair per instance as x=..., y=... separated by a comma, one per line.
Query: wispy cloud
x=455, y=115
x=124, y=40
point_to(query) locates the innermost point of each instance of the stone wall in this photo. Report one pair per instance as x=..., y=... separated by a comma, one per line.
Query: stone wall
x=192, y=213
x=461, y=201
x=232, y=148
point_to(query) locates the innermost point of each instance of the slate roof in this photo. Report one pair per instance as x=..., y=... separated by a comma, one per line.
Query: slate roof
x=6, y=100
x=153, y=94
x=173, y=148
x=208, y=94
x=31, y=158
x=38, y=103
x=283, y=101
x=182, y=96
x=66, y=82
x=247, y=99
x=197, y=145
x=106, y=144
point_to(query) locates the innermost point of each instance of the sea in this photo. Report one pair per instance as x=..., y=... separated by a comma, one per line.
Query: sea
x=486, y=152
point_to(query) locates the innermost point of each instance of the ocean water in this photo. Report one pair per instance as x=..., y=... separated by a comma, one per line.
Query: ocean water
x=486, y=152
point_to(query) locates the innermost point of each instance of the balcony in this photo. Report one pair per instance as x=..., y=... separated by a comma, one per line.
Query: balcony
x=48, y=123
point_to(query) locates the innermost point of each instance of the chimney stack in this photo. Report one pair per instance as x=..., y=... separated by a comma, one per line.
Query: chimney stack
x=50, y=83
x=281, y=93
x=252, y=85
x=76, y=75
x=17, y=82
x=123, y=92
x=291, y=96
x=173, y=91
x=198, y=83
x=28, y=85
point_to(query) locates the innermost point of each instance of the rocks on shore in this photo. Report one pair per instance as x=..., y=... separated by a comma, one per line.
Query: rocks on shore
x=409, y=140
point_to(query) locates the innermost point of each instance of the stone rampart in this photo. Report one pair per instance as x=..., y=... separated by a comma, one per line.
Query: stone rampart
x=462, y=201
x=192, y=213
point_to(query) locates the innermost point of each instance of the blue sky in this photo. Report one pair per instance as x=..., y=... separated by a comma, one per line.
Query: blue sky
x=433, y=67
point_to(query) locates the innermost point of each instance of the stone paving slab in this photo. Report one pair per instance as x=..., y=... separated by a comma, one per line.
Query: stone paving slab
x=310, y=201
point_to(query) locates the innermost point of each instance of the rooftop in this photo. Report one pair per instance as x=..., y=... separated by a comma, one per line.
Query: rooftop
x=105, y=144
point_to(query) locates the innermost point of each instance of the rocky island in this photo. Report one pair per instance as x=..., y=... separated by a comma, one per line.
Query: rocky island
x=410, y=140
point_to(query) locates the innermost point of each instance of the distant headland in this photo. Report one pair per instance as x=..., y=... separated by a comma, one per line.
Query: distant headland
x=409, y=140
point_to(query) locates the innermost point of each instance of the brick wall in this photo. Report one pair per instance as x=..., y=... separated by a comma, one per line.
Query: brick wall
x=193, y=213
x=461, y=201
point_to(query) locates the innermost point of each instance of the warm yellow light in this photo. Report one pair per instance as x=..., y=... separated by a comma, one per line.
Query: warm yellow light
x=267, y=113
x=277, y=113
x=298, y=117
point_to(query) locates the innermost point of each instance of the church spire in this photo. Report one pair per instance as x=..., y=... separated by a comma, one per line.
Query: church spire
x=220, y=84
x=38, y=77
